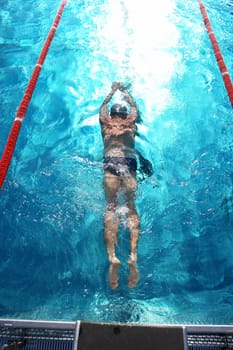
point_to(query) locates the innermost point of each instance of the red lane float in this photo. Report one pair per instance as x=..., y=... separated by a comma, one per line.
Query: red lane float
x=217, y=52
x=14, y=132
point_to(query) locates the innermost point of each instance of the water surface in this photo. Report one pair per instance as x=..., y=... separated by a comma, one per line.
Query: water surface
x=53, y=258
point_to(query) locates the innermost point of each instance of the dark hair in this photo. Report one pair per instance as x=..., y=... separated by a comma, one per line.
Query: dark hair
x=118, y=109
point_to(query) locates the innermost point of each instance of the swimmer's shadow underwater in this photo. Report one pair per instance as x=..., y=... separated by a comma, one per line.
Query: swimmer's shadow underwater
x=145, y=169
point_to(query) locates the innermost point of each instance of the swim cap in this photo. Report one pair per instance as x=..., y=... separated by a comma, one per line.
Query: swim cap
x=118, y=109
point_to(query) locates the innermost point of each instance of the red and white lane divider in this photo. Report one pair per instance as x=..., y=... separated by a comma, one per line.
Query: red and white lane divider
x=222, y=66
x=15, y=129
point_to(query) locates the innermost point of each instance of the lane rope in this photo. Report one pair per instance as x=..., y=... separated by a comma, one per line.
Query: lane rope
x=220, y=61
x=15, y=129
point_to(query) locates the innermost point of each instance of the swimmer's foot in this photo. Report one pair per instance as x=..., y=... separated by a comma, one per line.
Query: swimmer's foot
x=114, y=261
x=113, y=273
x=133, y=274
x=132, y=259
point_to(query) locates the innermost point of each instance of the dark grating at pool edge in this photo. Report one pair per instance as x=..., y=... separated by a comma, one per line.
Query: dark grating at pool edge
x=80, y=335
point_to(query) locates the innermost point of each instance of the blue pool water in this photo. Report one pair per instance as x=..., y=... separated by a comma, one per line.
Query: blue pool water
x=53, y=258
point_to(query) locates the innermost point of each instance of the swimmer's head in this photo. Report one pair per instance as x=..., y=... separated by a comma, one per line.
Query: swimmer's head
x=118, y=109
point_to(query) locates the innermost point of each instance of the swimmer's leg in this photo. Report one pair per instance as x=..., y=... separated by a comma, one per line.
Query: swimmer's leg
x=133, y=275
x=111, y=220
x=133, y=222
x=134, y=234
x=111, y=223
x=134, y=228
x=110, y=235
x=130, y=184
x=113, y=274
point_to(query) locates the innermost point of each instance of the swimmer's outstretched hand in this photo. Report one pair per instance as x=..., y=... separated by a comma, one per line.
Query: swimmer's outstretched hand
x=115, y=85
x=118, y=85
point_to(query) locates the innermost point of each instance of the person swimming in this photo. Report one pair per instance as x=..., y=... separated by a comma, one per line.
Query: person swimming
x=120, y=165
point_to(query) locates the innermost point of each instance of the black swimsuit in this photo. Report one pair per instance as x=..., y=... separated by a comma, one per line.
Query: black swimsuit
x=120, y=166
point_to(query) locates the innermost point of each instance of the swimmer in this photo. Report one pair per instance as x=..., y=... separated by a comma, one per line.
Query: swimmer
x=118, y=131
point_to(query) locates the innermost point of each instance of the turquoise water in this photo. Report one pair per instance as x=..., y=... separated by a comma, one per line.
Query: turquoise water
x=53, y=258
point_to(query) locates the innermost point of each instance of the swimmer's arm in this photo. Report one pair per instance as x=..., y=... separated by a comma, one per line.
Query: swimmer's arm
x=133, y=108
x=104, y=107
